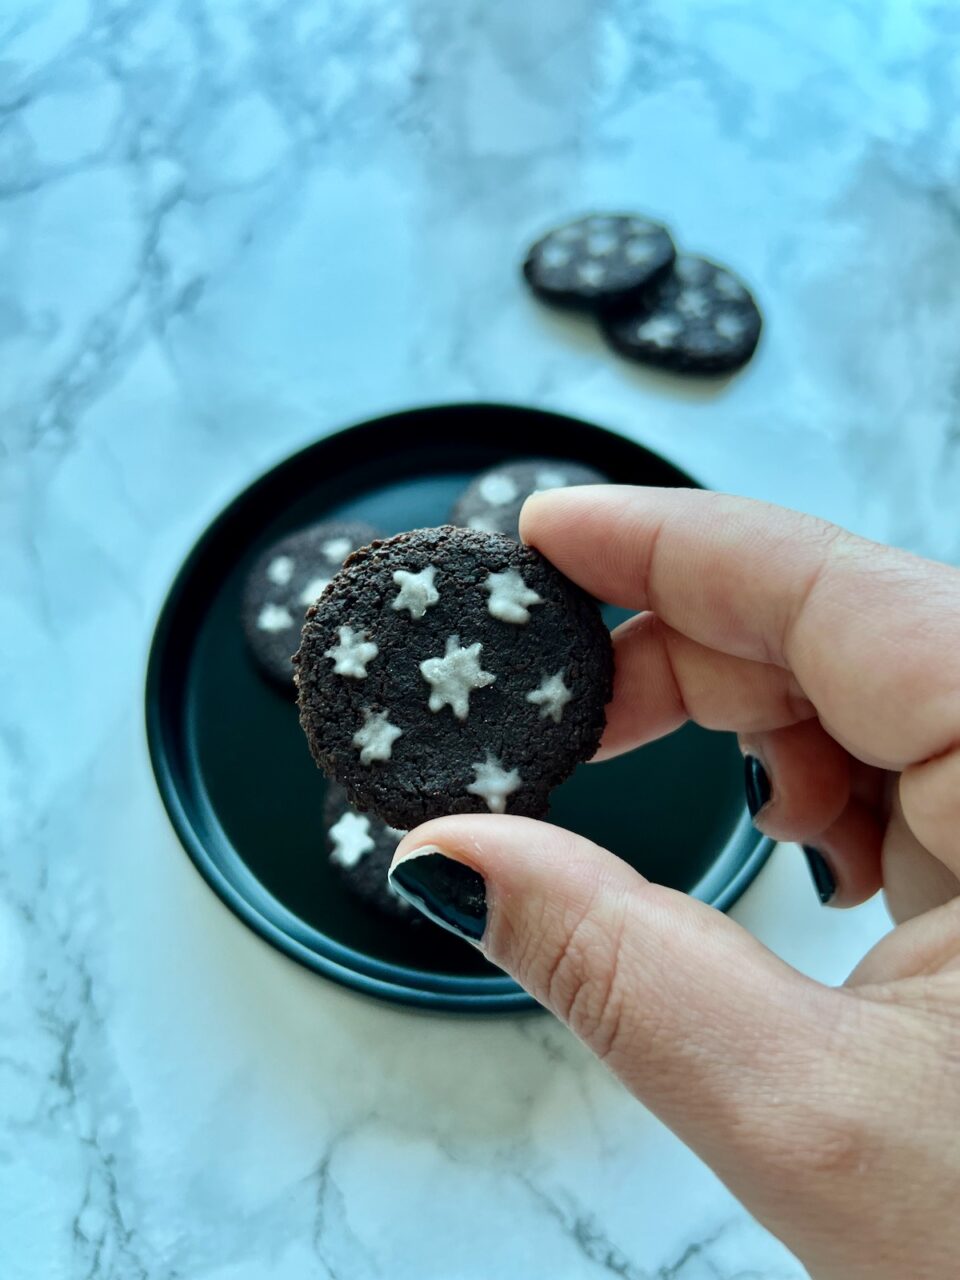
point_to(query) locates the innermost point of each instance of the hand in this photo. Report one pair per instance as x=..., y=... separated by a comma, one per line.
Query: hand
x=834, y=1114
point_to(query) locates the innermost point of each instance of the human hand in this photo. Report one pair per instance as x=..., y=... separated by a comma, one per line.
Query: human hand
x=834, y=1114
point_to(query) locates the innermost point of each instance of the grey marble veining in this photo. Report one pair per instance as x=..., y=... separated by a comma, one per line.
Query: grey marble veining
x=226, y=228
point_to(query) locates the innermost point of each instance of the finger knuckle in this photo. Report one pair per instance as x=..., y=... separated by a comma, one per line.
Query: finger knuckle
x=584, y=985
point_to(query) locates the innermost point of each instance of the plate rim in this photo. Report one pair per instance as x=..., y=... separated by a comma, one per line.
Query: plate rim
x=336, y=961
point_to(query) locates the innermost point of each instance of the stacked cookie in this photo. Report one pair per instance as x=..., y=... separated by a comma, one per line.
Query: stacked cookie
x=670, y=310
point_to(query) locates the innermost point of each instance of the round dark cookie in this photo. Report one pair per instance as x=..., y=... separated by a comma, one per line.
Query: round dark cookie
x=361, y=848
x=700, y=319
x=491, y=502
x=600, y=261
x=285, y=580
x=451, y=671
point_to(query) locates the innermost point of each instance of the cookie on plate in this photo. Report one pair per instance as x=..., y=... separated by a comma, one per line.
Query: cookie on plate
x=603, y=260
x=700, y=319
x=287, y=578
x=361, y=848
x=452, y=671
x=491, y=502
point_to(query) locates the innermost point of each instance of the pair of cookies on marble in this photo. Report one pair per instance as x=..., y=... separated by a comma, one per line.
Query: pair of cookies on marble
x=671, y=310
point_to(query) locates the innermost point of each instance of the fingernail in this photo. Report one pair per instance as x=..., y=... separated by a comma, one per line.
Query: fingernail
x=823, y=878
x=757, y=784
x=447, y=891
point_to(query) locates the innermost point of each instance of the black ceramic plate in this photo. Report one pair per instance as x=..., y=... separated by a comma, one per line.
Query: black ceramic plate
x=233, y=766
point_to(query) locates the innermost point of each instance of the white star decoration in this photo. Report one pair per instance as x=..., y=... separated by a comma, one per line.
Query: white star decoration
x=729, y=288
x=452, y=677
x=591, y=273
x=693, y=303
x=280, y=570
x=351, y=655
x=728, y=326
x=485, y=524
x=313, y=590
x=550, y=480
x=552, y=696
x=498, y=490
x=494, y=783
x=637, y=251
x=510, y=596
x=350, y=836
x=554, y=255
x=376, y=738
x=417, y=592
x=274, y=617
x=660, y=330
x=601, y=243
x=690, y=270
x=337, y=549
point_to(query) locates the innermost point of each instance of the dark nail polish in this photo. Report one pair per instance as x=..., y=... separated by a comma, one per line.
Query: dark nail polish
x=449, y=892
x=823, y=878
x=757, y=784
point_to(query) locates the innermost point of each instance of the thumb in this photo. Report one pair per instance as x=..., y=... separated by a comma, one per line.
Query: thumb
x=705, y=1025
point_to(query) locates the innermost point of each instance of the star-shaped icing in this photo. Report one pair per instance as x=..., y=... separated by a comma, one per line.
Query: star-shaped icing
x=350, y=836
x=498, y=490
x=637, y=252
x=452, y=677
x=376, y=737
x=591, y=273
x=694, y=304
x=351, y=655
x=660, y=330
x=274, y=617
x=417, y=592
x=546, y=479
x=485, y=524
x=554, y=255
x=729, y=288
x=280, y=570
x=690, y=270
x=494, y=783
x=729, y=326
x=510, y=597
x=601, y=243
x=313, y=590
x=552, y=696
x=337, y=549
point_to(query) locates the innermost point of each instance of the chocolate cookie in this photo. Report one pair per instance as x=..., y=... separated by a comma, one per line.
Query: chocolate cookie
x=361, y=848
x=285, y=580
x=451, y=671
x=492, y=501
x=699, y=319
x=598, y=262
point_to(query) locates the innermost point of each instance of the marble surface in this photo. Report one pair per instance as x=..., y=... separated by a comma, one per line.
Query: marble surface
x=226, y=228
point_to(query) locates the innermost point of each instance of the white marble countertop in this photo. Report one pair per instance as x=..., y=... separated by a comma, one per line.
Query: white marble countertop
x=226, y=228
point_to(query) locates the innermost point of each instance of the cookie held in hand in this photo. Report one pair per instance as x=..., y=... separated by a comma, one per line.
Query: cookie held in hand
x=285, y=581
x=452, y=671
x=492, y=501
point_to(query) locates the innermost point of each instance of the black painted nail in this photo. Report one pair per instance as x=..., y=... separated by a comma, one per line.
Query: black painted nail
x=757, y=784
x=823, y=878
x=449, y=892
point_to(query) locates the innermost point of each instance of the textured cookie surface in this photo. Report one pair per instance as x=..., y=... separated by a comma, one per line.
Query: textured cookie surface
x=285, y=580
x=360, y=848
x=452, y=671
x=600, y=261
x=699, y=319
x=492, y=501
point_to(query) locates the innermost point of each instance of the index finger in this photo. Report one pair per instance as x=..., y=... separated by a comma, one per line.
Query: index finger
x=871, y=634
